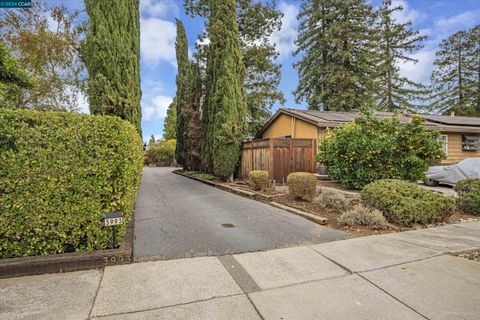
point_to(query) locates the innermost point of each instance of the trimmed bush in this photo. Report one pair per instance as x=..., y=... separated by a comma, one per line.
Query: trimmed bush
x=258, y=179
x=363, y=216
x=334, y=201
x=467, y=185
x=59, y=174
x=370, y=149
x=405, y=203
x=468, y=199
x=161, y=153
x=302, y=185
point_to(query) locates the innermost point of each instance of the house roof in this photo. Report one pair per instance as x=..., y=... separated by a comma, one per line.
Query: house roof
x=333, y=119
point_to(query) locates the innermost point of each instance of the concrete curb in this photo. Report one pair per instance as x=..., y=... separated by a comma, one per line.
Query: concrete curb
x=256, y=196
x=306, y=215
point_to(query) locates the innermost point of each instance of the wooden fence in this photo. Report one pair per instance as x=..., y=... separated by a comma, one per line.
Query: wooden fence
x=279, y=156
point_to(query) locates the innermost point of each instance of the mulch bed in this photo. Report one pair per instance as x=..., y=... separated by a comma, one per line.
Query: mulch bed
x=319, y=210
x=473, y=255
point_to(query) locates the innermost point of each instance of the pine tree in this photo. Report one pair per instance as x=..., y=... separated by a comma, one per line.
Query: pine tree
x=170, y=124
x=112, y=58
x=337, y=64
x=183, y=94
x=473, y=61
x=451, y=73
x=396, y=41
x=256, y=22
x=225, y=111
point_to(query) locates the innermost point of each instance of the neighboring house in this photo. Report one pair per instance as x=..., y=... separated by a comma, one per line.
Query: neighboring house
x=461, y=135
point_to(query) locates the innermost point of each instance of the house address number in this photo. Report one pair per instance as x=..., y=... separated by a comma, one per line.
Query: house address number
x=113, y=221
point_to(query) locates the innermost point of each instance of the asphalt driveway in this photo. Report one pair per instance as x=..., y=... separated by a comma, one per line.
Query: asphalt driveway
x=177, y=217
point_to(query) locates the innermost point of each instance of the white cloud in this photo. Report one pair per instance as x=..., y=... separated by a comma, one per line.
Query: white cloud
x=284, y=39
x=156, y=108
x=420, y=71
x=464, y=20
x=157, y=40
x=159, y=8
x=407, y=14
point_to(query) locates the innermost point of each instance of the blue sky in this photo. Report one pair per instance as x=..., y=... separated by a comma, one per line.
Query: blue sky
x=435, y=18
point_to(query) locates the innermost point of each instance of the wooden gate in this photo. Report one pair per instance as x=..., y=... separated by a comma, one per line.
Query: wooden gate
x=279, y=156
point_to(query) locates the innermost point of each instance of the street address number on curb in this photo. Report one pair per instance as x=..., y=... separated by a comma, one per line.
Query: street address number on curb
x=113, y=221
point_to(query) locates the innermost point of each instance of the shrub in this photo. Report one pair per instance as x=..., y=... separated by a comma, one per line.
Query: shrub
x=302, y=185
x=201, y=175
x=334, y=201
x=258, y=179
x=59, y=174
x=161, y=153
x=405, y=203
x=468, y=199
x=364, y=216
x=370, y=149
x=467, y=185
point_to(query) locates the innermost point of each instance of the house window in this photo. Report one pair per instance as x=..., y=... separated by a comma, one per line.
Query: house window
x=444, y=139
x=470, y=143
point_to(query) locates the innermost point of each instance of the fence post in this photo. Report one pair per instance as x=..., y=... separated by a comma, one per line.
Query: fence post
x=291, y=164
x=270, y=159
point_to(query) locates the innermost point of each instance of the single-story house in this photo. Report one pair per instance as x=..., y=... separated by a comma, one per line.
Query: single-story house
x=461, y=135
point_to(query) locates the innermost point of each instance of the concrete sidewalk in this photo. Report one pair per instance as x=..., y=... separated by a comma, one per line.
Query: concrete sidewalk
x=408, y=275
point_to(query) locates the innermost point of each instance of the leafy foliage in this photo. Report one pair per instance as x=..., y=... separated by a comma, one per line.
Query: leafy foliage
x=45, y=39
x=161, y=153
x=201, y=175
x=183, y=93
x=337, y=63
x=456, y=76
x=257, y=21
x=112, y=57
x=406, y=203
x=396, y=41
x=370, y=149
x=169, y=126
x=225, y=108
x=468, y=199
x=258, y=179
x=60, y=173
x=363, y=216
x=302, y=185
x=13, y=79
x=334, y=201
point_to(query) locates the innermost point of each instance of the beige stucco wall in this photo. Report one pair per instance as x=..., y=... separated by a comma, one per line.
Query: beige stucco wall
x=286, y=125
x=455, y=152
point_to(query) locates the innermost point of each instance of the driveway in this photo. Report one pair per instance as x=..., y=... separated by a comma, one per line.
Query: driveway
x=177, y=217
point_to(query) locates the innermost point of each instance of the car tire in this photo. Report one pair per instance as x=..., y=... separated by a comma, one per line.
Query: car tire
x=431, y=183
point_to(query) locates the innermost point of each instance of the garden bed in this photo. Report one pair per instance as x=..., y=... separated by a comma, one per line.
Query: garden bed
x=278, y=195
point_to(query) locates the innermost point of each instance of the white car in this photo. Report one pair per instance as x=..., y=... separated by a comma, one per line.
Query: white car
x=450, y=175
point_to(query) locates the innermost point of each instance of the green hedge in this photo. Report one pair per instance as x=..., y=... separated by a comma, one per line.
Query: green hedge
x=405, y=203
x=60, y=173
x=468, y=199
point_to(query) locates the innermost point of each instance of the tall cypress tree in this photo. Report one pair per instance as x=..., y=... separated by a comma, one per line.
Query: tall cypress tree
x=256, y=20
x=112, y=58
x=395, y=42
x=450, y=75
x=183, y=93
x=225, y=111
x=194, y=126
x=170, y=124
x=338, y=60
